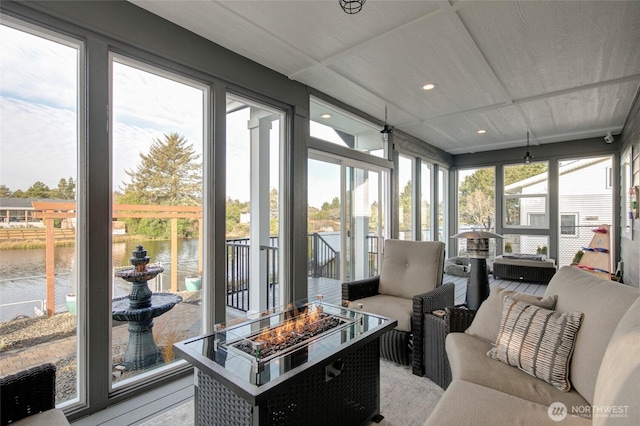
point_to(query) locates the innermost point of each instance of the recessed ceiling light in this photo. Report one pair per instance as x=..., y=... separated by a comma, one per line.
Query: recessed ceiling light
x=428, y=86
x=482, y=132
x=326, y=116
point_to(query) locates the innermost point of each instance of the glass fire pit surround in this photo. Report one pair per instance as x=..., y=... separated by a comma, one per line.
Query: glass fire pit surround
x=261, y=359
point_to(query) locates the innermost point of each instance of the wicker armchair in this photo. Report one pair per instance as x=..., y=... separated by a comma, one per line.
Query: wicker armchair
x=409, y=286
x=30, y=393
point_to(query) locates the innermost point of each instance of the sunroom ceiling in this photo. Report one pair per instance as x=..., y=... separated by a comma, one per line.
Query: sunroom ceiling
x=565, y=70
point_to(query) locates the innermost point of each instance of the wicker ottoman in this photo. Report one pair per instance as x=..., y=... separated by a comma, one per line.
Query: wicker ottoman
x=536, y=271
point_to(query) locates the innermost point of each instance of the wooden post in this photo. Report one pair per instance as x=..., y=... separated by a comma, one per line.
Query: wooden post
x=174, y=254
x=50, y=268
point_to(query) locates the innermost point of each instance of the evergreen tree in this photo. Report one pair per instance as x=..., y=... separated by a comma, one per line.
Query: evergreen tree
x=66, y=189
x=38, y=190
x=168, y=175
x=5, y=191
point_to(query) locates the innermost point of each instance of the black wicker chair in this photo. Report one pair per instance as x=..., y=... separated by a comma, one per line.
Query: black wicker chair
x=28, y=393
x=399, y=345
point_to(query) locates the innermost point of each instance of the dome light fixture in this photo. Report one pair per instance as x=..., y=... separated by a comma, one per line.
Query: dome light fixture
x=351, y=7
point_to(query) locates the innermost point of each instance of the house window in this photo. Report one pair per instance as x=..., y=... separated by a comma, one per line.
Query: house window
x=568, y=224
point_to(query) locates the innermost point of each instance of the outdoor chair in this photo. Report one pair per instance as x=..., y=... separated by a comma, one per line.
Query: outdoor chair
x=28, y=398
x=409, y=286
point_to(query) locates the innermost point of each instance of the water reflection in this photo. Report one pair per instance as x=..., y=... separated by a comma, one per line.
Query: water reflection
x=22, y=273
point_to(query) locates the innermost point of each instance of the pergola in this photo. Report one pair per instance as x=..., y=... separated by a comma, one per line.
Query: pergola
x=48, y=211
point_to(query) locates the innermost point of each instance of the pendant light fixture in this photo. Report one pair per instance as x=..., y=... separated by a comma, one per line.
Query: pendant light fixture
x=527, y=157
x=386, y=130
x=351, y=6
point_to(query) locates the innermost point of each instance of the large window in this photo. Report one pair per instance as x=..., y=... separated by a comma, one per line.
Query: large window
x=476, y=201
x=255, y=146
x=443, y=207
x=406, y=205
x=425, y=202
x=157, y=203
x=585, y=202
x=40, y=145
x=331, y=124
x=525, y=196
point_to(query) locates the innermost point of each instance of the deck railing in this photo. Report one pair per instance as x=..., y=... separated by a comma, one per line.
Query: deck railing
x=324, y=261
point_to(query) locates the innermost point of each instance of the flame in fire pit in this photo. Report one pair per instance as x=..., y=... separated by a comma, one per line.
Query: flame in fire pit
x=298, y=327
x=300, y=323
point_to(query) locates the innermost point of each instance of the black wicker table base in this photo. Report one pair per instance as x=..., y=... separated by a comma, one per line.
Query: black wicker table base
x=311, y=398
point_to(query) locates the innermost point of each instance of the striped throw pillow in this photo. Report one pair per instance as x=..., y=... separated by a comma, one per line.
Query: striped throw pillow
x=537, y=341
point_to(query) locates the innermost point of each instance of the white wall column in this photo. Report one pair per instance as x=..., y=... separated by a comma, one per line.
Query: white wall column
x=259, y=126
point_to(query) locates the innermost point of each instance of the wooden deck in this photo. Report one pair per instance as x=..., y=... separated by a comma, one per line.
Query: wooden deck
x=332, y=291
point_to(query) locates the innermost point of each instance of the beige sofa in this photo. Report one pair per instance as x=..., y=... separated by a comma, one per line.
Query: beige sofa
x=604, y=368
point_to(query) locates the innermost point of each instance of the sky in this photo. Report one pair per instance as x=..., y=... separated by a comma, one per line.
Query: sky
x=39, y=109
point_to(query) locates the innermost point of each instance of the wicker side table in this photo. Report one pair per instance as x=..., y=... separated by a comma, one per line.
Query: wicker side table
x=436, y=363
x=436, y=328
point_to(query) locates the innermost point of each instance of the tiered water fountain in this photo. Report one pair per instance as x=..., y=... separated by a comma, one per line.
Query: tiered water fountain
x=139, y=308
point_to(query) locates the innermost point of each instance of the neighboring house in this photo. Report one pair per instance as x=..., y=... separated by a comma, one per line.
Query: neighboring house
x=585, y=197
x=18, y=212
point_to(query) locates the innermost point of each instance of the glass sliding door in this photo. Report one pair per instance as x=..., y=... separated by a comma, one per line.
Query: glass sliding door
x=347, y=202
x=363, y=220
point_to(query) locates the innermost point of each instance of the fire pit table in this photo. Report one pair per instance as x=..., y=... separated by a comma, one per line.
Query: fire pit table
x=309, y=363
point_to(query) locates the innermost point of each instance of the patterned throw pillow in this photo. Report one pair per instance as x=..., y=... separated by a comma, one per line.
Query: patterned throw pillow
x=538, y=341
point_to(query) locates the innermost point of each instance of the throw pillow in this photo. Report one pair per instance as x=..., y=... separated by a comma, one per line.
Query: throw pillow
x=538, y=341
x=486, y=323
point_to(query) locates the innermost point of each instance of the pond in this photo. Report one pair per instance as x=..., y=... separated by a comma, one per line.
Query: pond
x=23, y=281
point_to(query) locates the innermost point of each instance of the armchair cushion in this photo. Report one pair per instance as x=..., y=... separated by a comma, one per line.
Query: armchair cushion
x=411, y=267
x=398, y=308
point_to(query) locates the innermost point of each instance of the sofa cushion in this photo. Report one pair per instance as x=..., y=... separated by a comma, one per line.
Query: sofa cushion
x=486, y=323
x=466, y=403
x=469, y=362
x=411, y=267
x=398, y=308
x=537, y=341
x=618, y=383
x=603, y=303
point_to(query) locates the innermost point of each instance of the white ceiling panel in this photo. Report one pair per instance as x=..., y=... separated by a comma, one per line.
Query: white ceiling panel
x=432, y=51
x=230, y=30
x=552, y=46
x=580, y=113
x=565, y=69
x=320, y=29
x=505, y=128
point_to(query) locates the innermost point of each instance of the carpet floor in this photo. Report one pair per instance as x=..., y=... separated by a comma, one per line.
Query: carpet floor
x=405, y=399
